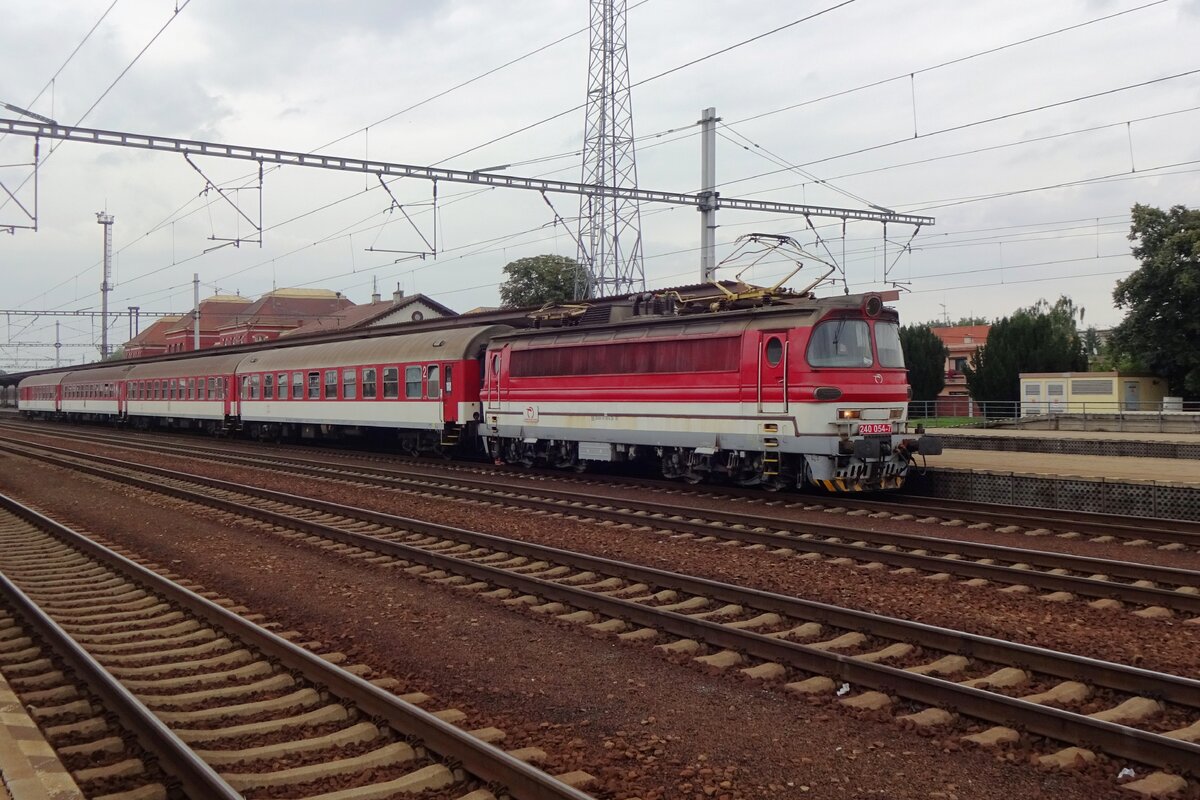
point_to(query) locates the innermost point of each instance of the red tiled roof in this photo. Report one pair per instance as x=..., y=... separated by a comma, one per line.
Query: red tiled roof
x=956, y=336
x=154, y=334
x=361, y=315
x=284, y=311
x=213, y=314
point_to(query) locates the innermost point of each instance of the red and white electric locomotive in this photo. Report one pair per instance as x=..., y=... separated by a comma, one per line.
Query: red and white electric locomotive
x=797, y=391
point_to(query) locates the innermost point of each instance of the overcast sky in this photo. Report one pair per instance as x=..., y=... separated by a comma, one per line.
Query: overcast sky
x=299, y=75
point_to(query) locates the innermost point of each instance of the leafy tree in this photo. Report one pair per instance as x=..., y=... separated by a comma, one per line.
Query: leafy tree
x=1041, y=338
x=925, y=355
x=963, y=322
x=1162, y=326
x=538, y=280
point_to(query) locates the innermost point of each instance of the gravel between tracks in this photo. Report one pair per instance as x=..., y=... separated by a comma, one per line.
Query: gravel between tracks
x=1167, y=645
x=1184, y=559
x=642, y=724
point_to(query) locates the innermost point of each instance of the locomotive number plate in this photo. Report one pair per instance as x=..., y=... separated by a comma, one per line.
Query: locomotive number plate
x=875, y=427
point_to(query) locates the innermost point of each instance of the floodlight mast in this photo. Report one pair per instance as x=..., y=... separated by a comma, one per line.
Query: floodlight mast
x=105, y=219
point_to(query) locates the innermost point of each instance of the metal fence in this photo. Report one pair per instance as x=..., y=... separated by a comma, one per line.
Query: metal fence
x=1171, y=415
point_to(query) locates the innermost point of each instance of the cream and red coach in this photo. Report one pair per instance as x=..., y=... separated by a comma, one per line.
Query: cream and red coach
x=423, y=385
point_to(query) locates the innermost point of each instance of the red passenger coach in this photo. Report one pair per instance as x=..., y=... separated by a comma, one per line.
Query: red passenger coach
x=96, y=393
x=194, y=392
x=799, y=391
x=423, y=385
x=41, y=395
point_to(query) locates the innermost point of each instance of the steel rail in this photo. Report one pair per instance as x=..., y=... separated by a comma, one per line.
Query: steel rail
x=786, y=532
x=478, y=758
x=1186, y=532
x=1119, y=740
x=178, y=759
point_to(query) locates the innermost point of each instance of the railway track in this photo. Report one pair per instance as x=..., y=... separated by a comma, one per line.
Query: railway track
x=925, y=675
x=227, y=708
x=1149, y=531
x=1151, y=590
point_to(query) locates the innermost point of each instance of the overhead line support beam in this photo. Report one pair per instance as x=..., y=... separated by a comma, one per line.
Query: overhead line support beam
x=166, y=144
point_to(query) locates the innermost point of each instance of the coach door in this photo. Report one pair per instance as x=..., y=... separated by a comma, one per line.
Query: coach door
x=449, y=403
x=230, y=394
x=772, y=371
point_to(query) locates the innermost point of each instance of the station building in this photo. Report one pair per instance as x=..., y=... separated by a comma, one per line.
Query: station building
x=1090, y=392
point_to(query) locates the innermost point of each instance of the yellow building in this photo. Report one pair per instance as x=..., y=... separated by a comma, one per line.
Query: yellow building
x=1089, y=392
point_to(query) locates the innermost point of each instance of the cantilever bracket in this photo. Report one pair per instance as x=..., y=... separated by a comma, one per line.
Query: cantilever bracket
x=209, y=185
x=904, y=248
x=397, y=205
x=30, y=221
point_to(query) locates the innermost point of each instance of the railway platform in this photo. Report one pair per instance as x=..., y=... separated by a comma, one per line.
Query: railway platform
x=1045, y=477
x=1123, y=444
x=29, y=767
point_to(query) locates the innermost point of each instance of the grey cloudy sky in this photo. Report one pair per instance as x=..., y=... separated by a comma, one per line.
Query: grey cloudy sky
x=299, y=75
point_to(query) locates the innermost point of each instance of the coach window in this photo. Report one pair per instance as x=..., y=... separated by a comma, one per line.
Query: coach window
x=245, y=394
x=449, y=378
x=156, y=390
x=282, y=380
x=349, y=384
x=331, y=384
x=391, y=383
x=268, y=387
x=297, y=385
x=496, y=364
x=200, y=389
x=433, y=388
x=412, y=383
x=255, y=383
x=314, y=386
x=191, y=388
x=370, y=384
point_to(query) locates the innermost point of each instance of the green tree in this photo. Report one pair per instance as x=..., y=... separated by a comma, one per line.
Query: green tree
x=925, y=356
x=963, y=322
x=1162, y=326
x=1041, y=338
x=538, y=280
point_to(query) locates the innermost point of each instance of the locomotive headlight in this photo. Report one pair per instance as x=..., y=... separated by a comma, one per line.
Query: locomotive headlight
x=849, y=413
x=897, y=413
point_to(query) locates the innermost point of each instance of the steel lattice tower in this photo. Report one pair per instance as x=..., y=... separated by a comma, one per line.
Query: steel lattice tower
x=610, y=228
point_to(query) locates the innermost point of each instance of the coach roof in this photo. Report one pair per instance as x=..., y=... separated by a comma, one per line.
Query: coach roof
x=46, y=379
x=223, y=364
x=437, y=345
x=117, y=372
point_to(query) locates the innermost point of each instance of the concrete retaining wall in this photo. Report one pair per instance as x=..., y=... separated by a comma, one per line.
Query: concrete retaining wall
x=1142, y=499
